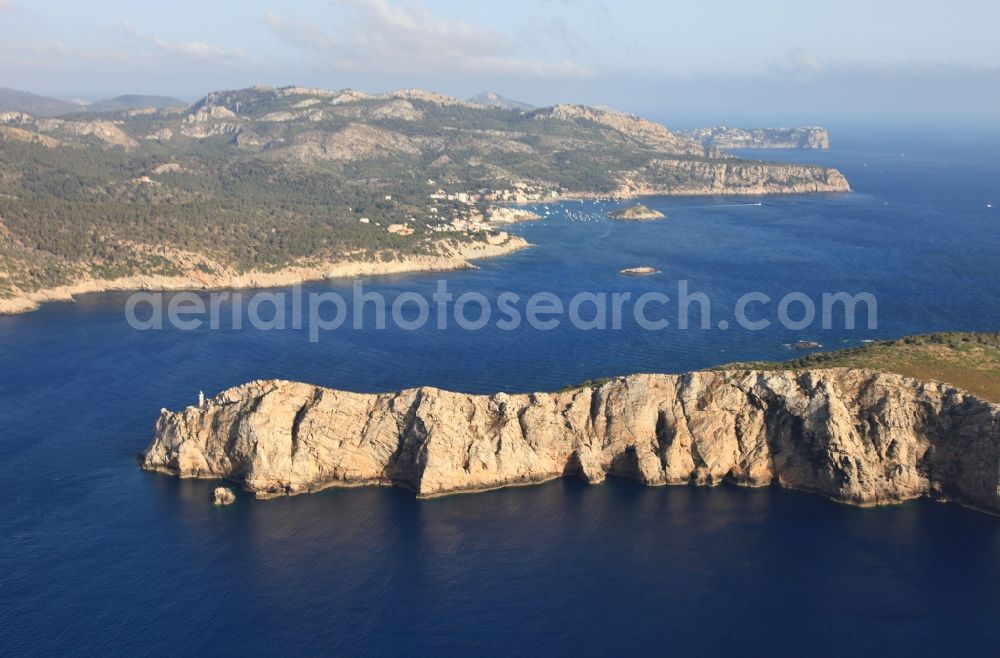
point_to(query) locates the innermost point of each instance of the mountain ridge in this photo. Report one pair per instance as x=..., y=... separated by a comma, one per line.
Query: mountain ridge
x=494, y=99
x=128, y=102
x=14, y=100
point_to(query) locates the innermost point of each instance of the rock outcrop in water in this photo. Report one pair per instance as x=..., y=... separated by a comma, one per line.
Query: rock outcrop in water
x=223, y=496
x=857, y=436
x=643, y=270
x=636, y=213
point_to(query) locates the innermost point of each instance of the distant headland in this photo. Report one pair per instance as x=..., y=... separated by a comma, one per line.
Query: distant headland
x=723, y=137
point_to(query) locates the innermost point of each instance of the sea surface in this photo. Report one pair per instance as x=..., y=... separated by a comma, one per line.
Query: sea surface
x=98, y=557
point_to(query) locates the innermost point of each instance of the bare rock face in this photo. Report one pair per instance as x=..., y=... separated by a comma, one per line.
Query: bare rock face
x=724, y=137
x=105, y=131
x=626, y=125
x=730, y=177
x=856, y=436
x=223, y=496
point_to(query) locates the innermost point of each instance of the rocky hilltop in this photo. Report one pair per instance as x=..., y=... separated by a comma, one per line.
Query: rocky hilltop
x=857, y=436
x=724, y=137
x=493, y=99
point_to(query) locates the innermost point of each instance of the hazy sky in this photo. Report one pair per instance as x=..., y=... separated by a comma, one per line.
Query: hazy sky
x=710, y=59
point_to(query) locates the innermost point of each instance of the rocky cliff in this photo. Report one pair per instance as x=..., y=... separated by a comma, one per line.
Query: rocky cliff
x=857, y=436
x=744, y=177
x=724, y=137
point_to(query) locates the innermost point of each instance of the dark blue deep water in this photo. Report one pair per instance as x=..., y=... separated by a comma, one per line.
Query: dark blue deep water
x=97, y=556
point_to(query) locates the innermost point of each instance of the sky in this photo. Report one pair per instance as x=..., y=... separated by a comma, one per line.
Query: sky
x=690, y=62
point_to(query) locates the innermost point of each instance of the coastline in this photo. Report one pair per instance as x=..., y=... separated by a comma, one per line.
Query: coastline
x=458, y=259
x=810, y=189
x=645, y=193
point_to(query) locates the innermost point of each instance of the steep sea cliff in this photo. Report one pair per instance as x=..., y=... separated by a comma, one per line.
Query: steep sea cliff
x=724, y=137
x=857, y=436
x=677, y=177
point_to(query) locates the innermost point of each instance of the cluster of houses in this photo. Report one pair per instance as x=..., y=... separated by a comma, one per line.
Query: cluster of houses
x=516, y=193
x=471, y=218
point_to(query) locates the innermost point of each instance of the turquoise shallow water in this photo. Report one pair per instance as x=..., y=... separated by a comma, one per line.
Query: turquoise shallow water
x=96, y=556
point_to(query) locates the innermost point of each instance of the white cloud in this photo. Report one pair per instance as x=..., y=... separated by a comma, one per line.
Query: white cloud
x=802, y=60
x=50, y=47
x=378, y=36
x=194, y=51
x=798, y=65
x=4, y=5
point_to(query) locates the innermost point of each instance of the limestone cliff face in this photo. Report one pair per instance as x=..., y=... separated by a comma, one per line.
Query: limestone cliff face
x=857, y=436
x=729, y=177
x=724, y=137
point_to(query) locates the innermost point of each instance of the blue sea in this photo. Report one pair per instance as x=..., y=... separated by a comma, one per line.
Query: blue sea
x=98, y=557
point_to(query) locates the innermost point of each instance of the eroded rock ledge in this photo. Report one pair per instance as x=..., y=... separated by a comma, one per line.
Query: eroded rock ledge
x=857, y=436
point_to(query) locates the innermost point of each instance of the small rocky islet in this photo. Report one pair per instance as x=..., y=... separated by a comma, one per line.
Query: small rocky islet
x=636, y=213
x=223, y=496
x=644, y=270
